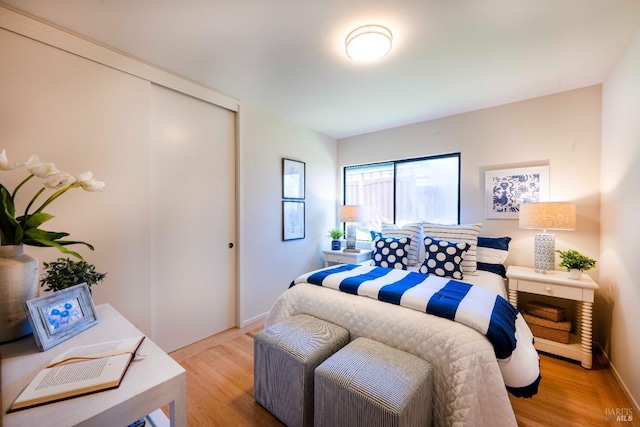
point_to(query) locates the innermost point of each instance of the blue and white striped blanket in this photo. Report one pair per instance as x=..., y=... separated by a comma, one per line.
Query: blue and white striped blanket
x=474, y=306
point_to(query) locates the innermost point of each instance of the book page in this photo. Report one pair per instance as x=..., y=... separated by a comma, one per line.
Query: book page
x=99, y=350
x=74, y=379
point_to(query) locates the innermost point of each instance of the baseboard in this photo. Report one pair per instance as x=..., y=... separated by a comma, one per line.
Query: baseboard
x=616, y=375
x=254, y=319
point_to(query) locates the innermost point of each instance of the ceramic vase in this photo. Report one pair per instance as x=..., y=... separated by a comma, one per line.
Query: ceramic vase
x=18, y=283
x=574, y=274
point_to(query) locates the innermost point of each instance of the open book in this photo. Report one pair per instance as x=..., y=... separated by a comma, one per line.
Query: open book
x=78, y=371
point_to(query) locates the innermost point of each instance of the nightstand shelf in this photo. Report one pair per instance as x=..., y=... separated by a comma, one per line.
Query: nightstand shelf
x=340, y=257
x=557, y=285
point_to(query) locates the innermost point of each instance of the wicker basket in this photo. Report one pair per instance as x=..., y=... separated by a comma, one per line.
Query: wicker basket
x=543, y=328
x=545, y=311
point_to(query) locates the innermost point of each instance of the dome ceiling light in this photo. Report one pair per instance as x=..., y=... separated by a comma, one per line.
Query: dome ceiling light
x=368, y=43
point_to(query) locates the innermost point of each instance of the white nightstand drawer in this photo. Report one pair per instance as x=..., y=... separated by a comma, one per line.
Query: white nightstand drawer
x=550, y=290
x=339, y=259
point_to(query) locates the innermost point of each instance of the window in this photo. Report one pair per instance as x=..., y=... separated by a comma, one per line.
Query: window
x=404, y=191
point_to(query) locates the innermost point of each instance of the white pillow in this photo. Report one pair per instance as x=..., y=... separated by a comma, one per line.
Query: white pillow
x=412, y=231
x=463, y=233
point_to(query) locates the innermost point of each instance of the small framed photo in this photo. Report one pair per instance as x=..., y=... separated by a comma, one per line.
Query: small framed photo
x=293, y=177
x=292, y=220
x=60, y=315
x=505, y=189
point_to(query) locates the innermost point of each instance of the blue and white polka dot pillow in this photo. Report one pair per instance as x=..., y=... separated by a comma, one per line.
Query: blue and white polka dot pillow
x=391, y=252
x=443, y=258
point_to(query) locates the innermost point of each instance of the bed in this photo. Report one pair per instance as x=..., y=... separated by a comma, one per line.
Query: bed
x=469, y=378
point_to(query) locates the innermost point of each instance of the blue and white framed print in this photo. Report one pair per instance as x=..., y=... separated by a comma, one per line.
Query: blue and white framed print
x=505, y=189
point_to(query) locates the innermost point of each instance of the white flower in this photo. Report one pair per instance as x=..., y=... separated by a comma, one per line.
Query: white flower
x=4, y=162
x=88, y=183
x=93, y=185
x=41, y=169
x=59, y=180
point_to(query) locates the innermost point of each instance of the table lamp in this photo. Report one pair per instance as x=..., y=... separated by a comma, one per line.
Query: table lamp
x=547, y=216
x=351, y=214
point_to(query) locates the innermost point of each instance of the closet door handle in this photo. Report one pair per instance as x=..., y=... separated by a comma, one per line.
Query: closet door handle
x=230, y=245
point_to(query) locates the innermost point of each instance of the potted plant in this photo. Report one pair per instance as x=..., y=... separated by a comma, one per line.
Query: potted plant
x=575, y=262
x=23, y=226
x=64, y=272
x=336, y=234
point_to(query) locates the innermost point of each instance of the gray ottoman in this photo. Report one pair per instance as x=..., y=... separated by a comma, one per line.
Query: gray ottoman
x=285, y=356
x=371, y=384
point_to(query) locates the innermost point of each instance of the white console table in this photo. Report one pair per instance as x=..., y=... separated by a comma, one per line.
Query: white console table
x=149, y=383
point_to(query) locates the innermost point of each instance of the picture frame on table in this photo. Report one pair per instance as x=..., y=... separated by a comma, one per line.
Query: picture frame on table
x=293, y=179
x=293, y=219
x=505, y=189
x=58, y=316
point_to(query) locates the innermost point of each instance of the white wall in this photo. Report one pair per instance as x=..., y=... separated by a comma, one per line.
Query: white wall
x=620, y=238
x=561, y=130
x=267, y=265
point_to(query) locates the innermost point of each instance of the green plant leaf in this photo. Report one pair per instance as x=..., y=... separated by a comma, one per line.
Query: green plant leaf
x=37, y=237
x=36, y=220
x=8, y=224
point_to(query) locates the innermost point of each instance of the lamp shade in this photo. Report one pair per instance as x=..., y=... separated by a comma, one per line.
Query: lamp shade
x=548, y=215
x=351, y=213
x=368, y=43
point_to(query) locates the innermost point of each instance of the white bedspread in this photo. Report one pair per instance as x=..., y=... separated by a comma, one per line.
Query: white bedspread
x=468, y=387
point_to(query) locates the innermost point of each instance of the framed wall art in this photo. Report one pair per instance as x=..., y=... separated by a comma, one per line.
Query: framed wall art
x=293, y=179
x=505, y=189
x=292, y=220
x=56, y=317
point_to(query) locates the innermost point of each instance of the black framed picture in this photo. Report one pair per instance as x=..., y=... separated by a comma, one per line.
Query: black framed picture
x=292, y=220
x=293, y=179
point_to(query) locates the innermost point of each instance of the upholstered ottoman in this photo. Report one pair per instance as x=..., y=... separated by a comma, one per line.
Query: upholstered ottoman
x=285, y=357
x=371, y=384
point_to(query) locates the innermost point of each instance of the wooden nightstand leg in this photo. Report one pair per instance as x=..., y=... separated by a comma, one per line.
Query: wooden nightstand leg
x=513, y=297
x=586, y=331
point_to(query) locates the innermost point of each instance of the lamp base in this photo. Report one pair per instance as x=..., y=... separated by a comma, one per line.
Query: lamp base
x=351, y=238
x=545, y=253
x=351, y=250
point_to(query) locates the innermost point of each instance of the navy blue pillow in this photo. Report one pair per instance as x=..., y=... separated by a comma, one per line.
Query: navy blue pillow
x=492, y=253
x=375, y=234
x=443, y=258
x=391, y=252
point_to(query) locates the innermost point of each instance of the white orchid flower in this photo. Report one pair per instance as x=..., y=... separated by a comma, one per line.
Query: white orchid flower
x=25, y=229
x=4, y=162
x=88, y=182
x=59, y=180
x=93, y=185
x=41, y=169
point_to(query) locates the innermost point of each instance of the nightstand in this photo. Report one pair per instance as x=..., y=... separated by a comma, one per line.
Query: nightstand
x=558, y=285
x=340, y=257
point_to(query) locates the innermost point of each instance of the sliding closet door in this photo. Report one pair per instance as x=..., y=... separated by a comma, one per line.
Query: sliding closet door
x=193, y=218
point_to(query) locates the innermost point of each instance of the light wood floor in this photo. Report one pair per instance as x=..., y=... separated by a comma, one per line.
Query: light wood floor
x=220, y=388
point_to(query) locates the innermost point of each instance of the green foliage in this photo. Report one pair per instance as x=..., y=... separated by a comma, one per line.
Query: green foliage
x=63, y=273
x=336, y=233
x=574, y=260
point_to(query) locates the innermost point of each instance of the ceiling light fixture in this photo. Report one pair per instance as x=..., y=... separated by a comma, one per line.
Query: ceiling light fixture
x=368, y=43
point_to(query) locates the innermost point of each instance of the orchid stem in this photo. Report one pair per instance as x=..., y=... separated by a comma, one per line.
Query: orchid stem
x=24, y=181
x=52, y=197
